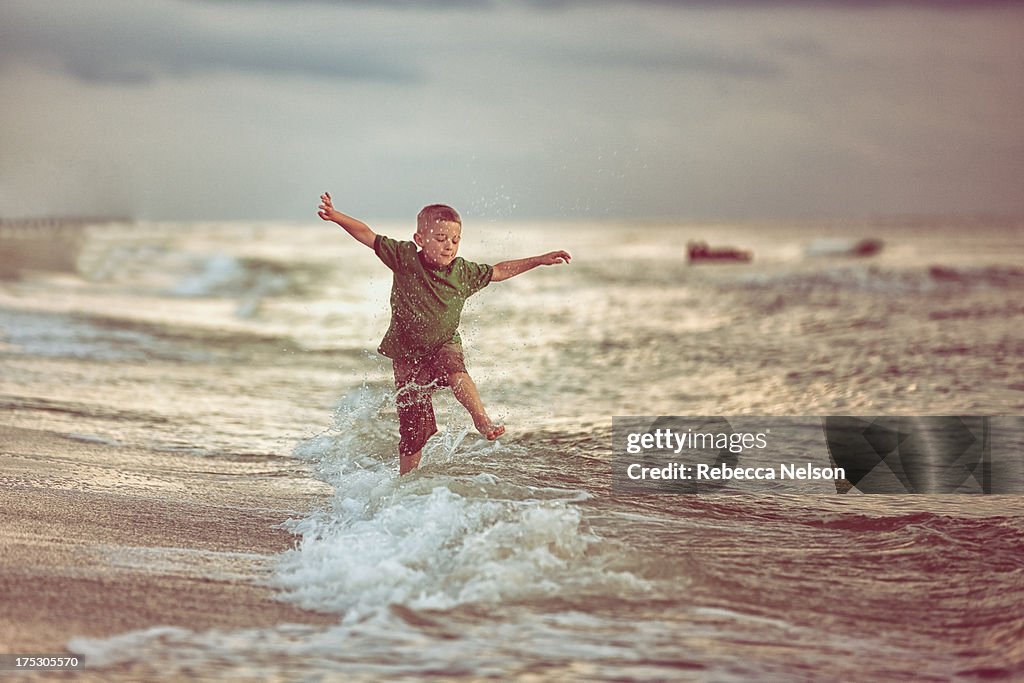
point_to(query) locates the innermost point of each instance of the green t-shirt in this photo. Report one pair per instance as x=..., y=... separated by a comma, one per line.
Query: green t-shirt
x=426, y=301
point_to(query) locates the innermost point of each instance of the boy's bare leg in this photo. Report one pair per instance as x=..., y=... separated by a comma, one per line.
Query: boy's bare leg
x=407, y=463
x=466, y=392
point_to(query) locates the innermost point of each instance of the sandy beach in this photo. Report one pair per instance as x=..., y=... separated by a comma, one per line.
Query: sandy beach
x=96, y=540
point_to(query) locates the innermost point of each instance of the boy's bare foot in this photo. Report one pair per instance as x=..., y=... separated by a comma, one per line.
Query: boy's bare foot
x=492, y=432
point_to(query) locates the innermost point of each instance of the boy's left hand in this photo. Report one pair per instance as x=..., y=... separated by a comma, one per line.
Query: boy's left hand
x=554, y=257
x=507, y=269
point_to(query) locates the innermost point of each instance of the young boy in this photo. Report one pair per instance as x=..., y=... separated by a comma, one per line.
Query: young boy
x=429, y=288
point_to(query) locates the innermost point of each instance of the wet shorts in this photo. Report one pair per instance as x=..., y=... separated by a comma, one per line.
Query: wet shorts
x=416, y=380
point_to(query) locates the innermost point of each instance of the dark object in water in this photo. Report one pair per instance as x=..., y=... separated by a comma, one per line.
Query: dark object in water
x=869, y=246
x=700, y=251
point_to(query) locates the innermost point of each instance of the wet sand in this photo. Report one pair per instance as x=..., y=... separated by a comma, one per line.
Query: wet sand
x=98, y=539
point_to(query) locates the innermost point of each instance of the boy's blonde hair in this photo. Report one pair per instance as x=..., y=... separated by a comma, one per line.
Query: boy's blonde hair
x=432, y=213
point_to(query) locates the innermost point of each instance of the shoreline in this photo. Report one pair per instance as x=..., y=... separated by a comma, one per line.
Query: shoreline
x=97, y=540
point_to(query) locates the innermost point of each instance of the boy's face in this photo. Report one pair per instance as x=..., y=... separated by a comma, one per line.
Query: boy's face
x=439, y=241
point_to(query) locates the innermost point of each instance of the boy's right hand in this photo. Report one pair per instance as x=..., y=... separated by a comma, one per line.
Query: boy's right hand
x=353, y=226
x=326, y=208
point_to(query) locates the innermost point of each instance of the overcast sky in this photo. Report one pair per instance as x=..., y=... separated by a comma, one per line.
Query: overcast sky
x=728, y=110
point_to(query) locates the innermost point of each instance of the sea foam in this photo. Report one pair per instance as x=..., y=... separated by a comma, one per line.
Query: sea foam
x=430, y=540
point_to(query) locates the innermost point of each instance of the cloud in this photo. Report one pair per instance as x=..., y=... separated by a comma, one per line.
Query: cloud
x=818, y=4
x=133, y=43
x=701, y=4
x=223, y=108
x=714, y=61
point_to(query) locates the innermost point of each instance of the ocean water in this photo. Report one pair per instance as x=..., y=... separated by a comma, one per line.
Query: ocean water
x=519, y=558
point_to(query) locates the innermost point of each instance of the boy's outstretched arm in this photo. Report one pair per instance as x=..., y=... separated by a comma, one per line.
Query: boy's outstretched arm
x=507, y=269
x=358, y=229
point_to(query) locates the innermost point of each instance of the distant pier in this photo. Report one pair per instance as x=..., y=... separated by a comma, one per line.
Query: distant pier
x=19, y=228
x=49, y=243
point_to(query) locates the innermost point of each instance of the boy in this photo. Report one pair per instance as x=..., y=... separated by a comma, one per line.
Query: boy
x=429, y=288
